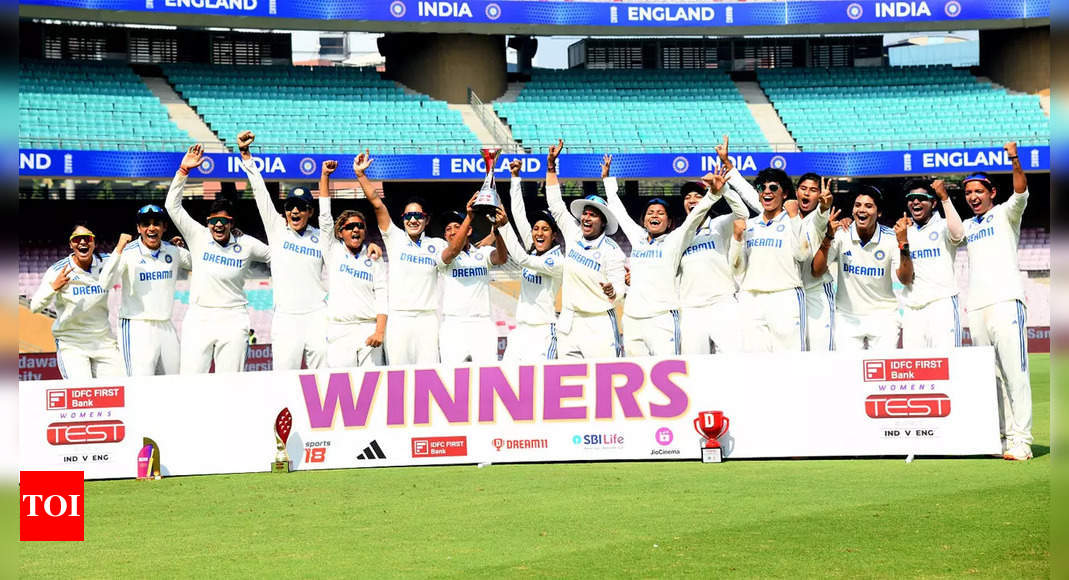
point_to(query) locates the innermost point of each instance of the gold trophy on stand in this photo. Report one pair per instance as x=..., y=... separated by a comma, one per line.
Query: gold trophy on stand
x=283, y=425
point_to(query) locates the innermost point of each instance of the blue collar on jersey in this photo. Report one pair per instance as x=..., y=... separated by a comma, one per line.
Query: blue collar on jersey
x=857, y=238
x=778, y=217
x=590, y=245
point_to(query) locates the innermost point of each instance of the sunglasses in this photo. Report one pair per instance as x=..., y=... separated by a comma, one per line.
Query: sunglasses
x=300, y=205
x=773, y=187
x=917, y=196
x=353, y=226
x=150, y=208
x=79, y=238
x=413, y=215
x=218, y=221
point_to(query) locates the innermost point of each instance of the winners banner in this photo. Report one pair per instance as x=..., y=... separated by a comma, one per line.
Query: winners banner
x=782, y=405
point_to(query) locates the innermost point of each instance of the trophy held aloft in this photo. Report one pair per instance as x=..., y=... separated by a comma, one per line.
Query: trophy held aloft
x=487, y=201
x=711, y=425
x=283, y=426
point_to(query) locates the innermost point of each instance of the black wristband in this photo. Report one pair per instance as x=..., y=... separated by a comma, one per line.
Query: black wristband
x=1013, y=157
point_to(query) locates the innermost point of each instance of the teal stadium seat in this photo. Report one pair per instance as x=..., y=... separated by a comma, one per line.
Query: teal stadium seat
x=319, y=110
x=893, y=108
x=655, y=111
x=91, y=105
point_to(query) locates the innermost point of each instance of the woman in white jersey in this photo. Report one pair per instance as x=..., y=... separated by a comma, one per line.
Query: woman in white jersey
x=356, y=302
x=870, y=257
x=85, y=345
x=216, y=326
x=299, y=326
x=412, y=324
x=997, y=314
x=542, y=263
x=651, y=312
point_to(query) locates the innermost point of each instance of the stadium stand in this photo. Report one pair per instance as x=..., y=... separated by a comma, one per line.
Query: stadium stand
x=319, y=109
x=91, y=105
x=891, y=108
x=630, y=110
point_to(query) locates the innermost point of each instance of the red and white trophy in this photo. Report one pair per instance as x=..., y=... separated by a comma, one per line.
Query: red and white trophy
x=283, y=425
x=711, y=425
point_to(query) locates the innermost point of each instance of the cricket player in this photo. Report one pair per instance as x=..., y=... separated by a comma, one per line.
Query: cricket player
x=651, y=312
x=467, y=332
x=593, y=280
x=85, y=345
x=217, y=323
x=930, y=318
x=299, y=326
x=412, y=324
x=996, y=309
x=542, y=266
x=147, y=270
x=774, y=247
x=356, y=300
x=869, y=254
x=814, y=204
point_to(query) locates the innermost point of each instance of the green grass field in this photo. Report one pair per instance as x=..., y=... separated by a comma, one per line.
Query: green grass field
x=884, y=517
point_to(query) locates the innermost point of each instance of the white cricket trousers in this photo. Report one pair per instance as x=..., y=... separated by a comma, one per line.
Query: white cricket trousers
x=875, y=331
x=654, y=336
x=773, y=321
x=588, y=335
x=219, y=334
x=1003, y=325
x=935, y=325
x=89, y=359
x=297, y=336
x=412, y=337
x=467, y=338
x=149, y=347
x=711, y=329
x=820, y=317
x=347, y=345
x=531, y=343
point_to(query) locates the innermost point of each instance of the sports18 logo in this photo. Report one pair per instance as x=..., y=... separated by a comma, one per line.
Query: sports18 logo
x=902, y=406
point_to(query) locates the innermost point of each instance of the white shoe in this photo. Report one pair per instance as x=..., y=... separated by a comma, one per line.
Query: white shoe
x=1019, y=452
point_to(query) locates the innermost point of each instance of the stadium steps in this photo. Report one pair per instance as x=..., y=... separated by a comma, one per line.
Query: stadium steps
x=766, y=116
x=511, y=93
x=182, y=115
x=486, y=134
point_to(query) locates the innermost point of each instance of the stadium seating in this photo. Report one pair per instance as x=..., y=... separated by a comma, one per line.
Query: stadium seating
x=319, y=109
x=885, y=108
x=91, y=105
x=631, y=110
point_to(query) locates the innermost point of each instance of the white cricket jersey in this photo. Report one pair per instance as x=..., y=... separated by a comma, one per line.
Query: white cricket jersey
x=655, y=262
x=81, y=305
x=296, y=259
x=815, y=225
x=705, y=274
x=219, y=272
x=866, y=273
x=413, y=285
x=148, y=279
x=932, y=253
x=991, y=240
x=773, y=252
x=540, y=280
x=357, y=283
x=588, y=263
x=466, y=283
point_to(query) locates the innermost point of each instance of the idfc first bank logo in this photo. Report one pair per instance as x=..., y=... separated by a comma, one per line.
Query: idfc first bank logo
x=51, y=506
x=906, y=369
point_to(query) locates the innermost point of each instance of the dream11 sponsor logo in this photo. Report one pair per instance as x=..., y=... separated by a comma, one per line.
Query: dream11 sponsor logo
x=599, y=440
x=519, y=444
x=664, y=438
x=51, y=506
x=440, y=446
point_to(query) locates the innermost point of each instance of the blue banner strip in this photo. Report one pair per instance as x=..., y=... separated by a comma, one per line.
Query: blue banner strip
x=296, y=167
x=772, y=13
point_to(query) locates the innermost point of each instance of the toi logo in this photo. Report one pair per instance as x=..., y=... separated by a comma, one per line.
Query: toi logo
x=51, y=506
x=664, y=436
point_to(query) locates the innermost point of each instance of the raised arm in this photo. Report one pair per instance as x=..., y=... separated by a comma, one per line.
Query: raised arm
x=460, y=241
x=955, y=229
x=326, y=218
x=824, y=252
x=113, y=266
x=904, y=271
x=634, y=232
x=736, y=255
x=273, y=222
x=567, y=223
x=51, y=283
x=1017, y=202
x=261, y=252
x=519, y=212
x=382, y=215
x=188, y=226
x=736, y=180
x=500, y=254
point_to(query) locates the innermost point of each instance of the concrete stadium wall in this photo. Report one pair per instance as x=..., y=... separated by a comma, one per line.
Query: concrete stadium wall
x=445, y=65
x=1018, y=59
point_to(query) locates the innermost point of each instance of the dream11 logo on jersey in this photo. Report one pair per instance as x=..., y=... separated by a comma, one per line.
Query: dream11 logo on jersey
x=51, y=506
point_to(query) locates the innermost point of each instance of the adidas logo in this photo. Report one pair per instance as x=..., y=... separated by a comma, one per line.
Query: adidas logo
x=372, y=451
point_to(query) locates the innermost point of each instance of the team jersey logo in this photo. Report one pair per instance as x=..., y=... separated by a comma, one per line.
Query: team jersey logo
x=880, y=254
x=367, y=262
x=315, y=239
x=167, y=258
x=237, y=248
x=430, y=248
x=479, y=256
x=933, y=236
x=780, y=228
x=549, y=262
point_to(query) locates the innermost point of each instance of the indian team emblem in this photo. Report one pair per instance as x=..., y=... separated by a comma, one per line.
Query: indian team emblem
x=167, y=258
x=307, y=166
x=237, y=248
x=680, y=164
x=778, y=162
x=880, y=254
x=854, y=11
x=397, y=9
x=988, y=219
x=206, y=166
x=315, y=239
x=549, y=262
x=367, y=262
x=933, y=236
x=597, y=255
x=952, y=8
x=479, y=256
x=430, y=248
x=780, y=228
x=493, y=11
